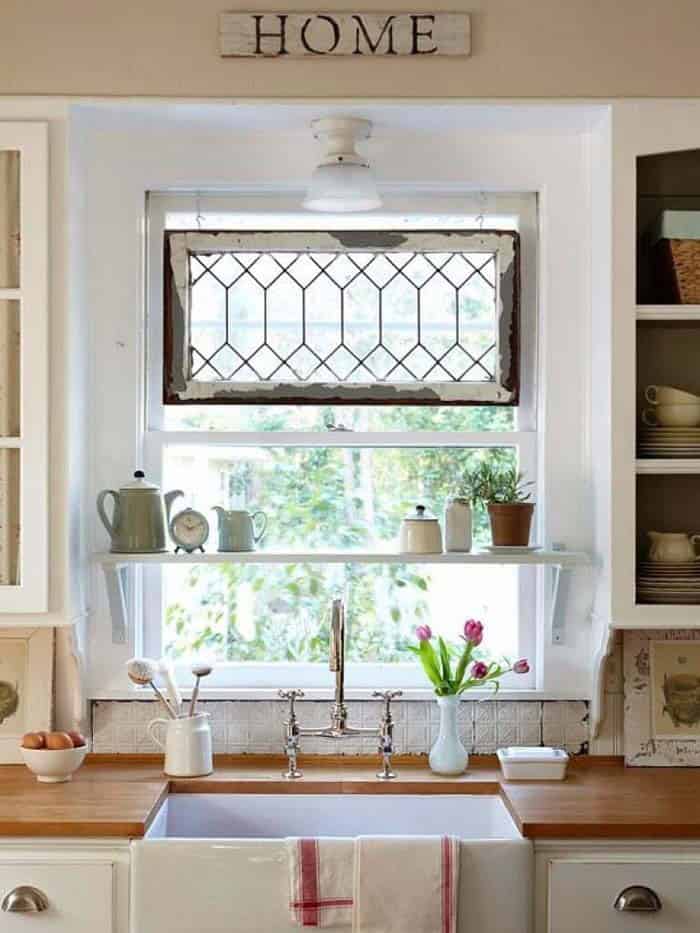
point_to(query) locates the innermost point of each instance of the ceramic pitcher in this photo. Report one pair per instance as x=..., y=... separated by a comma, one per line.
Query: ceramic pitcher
x=673, y=547
x=140, y=516
x=187, y=744
x=237, y=529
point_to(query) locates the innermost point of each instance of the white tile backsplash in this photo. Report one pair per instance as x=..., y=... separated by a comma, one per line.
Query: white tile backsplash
x=256, y=726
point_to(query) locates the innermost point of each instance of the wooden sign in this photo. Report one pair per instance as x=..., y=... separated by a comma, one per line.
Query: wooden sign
x=295, y=35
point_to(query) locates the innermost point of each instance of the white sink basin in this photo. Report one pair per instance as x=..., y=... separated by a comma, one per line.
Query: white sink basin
x=218, y=863
x=275, y=816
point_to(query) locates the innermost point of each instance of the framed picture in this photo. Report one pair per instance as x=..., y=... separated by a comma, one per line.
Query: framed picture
x=26, y=686
x=662, y=698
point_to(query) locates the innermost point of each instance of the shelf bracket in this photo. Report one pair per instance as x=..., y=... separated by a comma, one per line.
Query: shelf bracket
x=117, y=581
x=557, y=615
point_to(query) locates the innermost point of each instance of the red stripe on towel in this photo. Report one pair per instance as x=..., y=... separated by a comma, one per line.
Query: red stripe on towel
x=321, y=905
x=308, y=863
x=447, y=918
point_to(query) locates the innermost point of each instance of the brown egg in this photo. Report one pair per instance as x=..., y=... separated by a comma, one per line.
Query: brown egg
x=57, y=740
x=33, y=740
x=77, y=738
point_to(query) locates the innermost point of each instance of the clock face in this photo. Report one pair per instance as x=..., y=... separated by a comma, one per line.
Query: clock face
x=189, y=529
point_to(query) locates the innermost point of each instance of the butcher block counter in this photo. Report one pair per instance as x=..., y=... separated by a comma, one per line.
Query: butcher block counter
x=118, y=796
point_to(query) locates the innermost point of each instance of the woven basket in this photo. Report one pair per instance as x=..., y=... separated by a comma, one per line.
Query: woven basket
x=680, y=264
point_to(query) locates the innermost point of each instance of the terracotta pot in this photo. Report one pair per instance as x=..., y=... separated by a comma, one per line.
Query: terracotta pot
x=510, y=523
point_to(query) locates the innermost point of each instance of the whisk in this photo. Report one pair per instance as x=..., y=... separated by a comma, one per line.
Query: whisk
x=142, y=671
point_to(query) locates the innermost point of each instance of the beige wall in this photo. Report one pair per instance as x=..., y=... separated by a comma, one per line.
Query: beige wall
x=522, y=48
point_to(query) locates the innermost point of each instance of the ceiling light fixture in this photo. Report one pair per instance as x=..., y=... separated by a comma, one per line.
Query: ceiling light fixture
x=343, y=180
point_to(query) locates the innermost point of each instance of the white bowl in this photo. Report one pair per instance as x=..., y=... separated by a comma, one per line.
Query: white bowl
x=53, y=766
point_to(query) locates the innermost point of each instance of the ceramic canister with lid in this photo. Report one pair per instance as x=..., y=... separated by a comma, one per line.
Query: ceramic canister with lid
x=420, y=533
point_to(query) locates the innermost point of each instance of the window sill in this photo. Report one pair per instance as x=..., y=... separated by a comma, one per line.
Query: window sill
x=319, y=693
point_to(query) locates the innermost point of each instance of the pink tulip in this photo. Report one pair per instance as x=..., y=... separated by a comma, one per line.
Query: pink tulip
x=521, y=666
x=479, y=670
x=424, y=633
x=473, y=632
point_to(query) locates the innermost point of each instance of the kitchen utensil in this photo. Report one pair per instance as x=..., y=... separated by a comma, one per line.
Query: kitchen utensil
x=142, y=671
x=672, y=547
x=236, y=529
x=165, y=669
x=199, y=671
x=687, y=416
x=420, y=533
x=669, y=395
x=187, y=745
x=458, y=525
x=139, y=516
x=189, y=530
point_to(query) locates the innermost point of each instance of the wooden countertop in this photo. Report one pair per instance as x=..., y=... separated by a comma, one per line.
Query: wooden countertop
x=112, y=797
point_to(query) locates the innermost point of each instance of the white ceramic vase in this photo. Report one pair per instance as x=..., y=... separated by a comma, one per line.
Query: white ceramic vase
x=448, y=755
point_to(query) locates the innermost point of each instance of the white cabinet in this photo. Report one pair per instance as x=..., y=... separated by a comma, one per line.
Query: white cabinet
x=23, y=367
x=582, y=895
x=83, y=884
x=78, y=897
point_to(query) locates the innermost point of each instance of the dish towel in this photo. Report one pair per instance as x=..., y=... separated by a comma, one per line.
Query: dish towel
x=406, y=884
x=321, y=881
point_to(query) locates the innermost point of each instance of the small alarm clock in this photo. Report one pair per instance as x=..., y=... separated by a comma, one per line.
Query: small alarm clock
x=189, y=530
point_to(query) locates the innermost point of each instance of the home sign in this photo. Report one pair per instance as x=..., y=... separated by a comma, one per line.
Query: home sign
x=295, y=35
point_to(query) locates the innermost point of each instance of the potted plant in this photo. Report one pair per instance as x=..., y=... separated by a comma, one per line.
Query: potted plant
x=448, y=755
x=504, y=493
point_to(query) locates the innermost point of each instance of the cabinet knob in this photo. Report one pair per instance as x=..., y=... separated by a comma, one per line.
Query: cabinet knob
x=638, y=899
x=24, y=900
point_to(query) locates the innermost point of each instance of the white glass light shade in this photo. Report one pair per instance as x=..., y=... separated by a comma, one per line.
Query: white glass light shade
x=342, y=187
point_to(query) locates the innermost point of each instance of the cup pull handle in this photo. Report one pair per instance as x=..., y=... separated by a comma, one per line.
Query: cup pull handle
x=637, y=899
x=25, y=900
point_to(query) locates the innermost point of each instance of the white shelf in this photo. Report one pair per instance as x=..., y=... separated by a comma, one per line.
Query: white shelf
x=668, y=312
x=117, y=568
x=551, y=558
x=10, y=294
x=667, y=466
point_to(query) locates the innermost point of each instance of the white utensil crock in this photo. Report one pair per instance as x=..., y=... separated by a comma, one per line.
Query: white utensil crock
x=187, y=745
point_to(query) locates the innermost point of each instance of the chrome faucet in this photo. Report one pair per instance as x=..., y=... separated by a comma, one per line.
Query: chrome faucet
x=339, y=728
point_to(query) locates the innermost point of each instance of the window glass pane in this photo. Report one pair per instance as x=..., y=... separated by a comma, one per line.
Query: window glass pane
x=328, y=498
x=318, y=417
x=272, y=613
x=9, y=219
x=9, y=517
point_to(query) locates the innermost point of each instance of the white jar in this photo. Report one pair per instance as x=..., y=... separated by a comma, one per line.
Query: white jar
x=458, y=525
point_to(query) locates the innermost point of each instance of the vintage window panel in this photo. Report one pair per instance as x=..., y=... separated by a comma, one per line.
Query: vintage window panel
x=418, y=317
x=294, y=35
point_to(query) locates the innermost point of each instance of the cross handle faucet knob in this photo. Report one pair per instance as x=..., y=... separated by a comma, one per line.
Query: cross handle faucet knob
x=387, y=696
x=292, y=696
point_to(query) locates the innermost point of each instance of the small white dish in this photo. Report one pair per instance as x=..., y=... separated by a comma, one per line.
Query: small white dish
x=507, y=549
x=53, y=766
x=533, y=764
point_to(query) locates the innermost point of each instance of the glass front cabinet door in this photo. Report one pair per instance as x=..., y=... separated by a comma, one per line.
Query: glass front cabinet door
x=23, y=369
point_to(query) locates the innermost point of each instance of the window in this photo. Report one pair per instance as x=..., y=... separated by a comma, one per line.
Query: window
x=333, y=379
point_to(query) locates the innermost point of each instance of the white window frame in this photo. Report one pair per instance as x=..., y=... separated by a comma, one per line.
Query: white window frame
x=215, y=212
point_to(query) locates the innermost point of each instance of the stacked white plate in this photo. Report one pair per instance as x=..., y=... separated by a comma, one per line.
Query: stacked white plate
x=669, y=442
x=671, y=583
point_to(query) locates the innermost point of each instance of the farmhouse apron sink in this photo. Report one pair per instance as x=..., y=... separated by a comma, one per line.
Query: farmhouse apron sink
x=217, y=862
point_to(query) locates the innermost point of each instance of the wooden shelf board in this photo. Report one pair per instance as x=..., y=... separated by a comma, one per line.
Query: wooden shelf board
x=668, y=312
x=667, y=466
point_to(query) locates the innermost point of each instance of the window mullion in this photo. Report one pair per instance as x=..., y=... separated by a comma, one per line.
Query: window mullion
x=339, y=438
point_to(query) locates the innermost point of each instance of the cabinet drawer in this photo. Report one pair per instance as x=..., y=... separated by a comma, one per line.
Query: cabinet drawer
x=582, y=894
x=79, y=897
